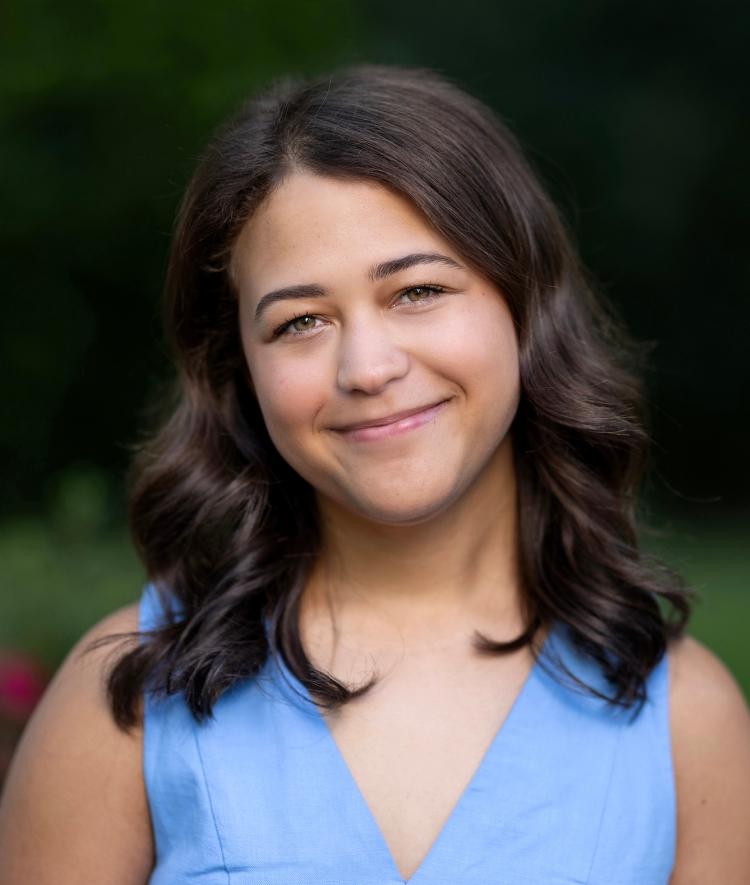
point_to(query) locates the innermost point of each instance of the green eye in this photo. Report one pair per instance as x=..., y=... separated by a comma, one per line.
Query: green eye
x=423, y=293
x=417, y=290
x=301, y=328
x=295, y=326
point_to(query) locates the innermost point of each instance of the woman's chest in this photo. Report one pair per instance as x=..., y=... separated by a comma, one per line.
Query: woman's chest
x=264, y=794
x=412, y=745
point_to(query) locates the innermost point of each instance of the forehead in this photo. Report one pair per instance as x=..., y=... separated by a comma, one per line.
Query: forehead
x=314, y=227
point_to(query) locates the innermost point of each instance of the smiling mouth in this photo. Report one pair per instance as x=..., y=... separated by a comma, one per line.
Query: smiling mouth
x=392, y=426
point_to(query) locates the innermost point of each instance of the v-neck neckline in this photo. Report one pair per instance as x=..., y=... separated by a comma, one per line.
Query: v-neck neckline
x=499, y=738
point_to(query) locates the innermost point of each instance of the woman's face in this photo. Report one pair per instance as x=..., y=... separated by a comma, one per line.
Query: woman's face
x=354, y=310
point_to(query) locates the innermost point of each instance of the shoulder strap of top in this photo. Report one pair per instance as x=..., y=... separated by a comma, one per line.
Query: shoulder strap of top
x=156, y=607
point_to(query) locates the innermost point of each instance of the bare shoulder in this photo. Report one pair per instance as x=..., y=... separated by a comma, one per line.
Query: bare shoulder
x=710, y=725
x=74, y=806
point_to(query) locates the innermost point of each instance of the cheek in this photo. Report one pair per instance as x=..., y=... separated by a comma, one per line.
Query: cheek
x=290, y=394
x=479, y=349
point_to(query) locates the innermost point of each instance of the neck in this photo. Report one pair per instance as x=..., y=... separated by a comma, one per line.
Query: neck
x=454, y=572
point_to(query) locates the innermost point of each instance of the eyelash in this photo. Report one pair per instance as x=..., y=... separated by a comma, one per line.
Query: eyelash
x=433, y=288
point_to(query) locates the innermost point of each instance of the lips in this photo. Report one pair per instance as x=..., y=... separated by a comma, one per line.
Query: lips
x=388, y=419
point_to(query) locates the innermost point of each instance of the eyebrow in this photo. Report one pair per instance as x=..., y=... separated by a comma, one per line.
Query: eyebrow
x=377, y=272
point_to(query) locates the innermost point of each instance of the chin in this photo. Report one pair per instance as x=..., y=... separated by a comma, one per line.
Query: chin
x=404, y=506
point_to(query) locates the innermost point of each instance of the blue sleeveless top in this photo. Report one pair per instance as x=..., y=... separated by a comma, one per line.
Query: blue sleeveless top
x=569, y=791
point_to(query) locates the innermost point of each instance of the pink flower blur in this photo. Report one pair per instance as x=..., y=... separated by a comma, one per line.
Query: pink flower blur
x=22, y=683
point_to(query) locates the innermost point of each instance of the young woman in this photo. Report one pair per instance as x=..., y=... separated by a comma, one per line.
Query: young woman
x=397, y=626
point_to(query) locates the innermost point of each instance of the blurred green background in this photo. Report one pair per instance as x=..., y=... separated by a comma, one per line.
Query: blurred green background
x=634, y=113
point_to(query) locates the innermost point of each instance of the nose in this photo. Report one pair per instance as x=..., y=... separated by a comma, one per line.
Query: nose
x=369, y=359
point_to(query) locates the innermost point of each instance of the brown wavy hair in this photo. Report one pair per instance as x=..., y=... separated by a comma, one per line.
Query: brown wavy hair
x=227, y=530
